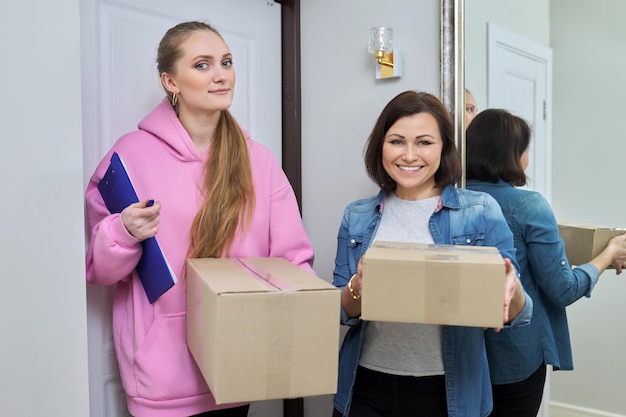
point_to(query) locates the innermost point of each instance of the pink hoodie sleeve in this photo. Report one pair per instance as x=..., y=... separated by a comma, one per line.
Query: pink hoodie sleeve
x=113, y=252
x=288, y=238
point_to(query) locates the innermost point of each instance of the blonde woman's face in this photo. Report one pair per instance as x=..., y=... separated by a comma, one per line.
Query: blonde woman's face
x=471, y=108
x=205, y=78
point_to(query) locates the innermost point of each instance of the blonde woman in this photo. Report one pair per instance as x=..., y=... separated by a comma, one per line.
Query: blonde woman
x=218, y=194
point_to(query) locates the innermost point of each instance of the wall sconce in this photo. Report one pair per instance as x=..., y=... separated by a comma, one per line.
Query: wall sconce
x=388, y=59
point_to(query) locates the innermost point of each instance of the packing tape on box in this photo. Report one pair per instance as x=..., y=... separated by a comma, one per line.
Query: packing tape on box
x=271, y=281
x=279, y=346
x=279, y=349
x=442, y=294
x=430, y=246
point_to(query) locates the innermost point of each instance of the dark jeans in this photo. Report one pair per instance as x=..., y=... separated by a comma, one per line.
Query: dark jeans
x=227, y=412
x=378, y=394
x=521, y=399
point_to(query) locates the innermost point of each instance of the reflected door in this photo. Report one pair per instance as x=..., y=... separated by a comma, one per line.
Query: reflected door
x=519, y=80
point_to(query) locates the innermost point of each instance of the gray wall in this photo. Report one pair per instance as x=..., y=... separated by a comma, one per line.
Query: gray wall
x=43, y=354
x=341, y=101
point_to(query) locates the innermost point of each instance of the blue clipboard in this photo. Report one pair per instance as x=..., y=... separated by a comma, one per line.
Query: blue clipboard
x=118, y=192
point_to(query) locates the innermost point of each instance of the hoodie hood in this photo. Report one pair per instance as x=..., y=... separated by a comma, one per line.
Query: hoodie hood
x=163, y=123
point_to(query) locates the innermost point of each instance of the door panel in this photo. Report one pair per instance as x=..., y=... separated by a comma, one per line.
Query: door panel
x=120, y=85
x=519, y=80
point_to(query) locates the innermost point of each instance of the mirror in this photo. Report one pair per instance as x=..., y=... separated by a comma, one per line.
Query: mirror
x=453, y=68
x=586, y=38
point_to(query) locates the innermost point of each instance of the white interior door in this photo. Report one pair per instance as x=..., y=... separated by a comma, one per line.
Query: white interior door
x=119, y=40
x=520, y=81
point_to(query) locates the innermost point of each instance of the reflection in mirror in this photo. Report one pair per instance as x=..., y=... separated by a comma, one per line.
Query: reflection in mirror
x=586, y=38
x=519, y=70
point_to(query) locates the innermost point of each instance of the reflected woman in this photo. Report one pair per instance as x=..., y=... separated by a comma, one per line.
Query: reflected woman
x=471, y=107
x=497, y=148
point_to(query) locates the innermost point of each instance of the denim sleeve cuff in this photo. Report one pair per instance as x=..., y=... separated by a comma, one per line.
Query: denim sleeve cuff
x=523, y=318
x=592, y=273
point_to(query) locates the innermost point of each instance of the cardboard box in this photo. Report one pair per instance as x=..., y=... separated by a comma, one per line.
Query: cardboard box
x=262, y=328
x=436, y=284
x=585, y=242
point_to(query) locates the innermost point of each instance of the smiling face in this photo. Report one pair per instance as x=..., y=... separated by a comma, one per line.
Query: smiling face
x=411, y=156
x=204, y=78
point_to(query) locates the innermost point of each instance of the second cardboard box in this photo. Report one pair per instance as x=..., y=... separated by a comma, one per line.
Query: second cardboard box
x=435, y=284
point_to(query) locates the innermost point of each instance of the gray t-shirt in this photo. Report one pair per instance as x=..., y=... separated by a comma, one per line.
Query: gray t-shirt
x=404, y=348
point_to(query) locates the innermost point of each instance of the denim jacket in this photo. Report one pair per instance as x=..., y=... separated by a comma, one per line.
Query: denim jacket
x=549, y=279
x=462, y=218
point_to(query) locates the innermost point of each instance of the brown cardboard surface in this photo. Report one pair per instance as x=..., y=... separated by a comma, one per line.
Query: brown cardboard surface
x=583, y=242
x=436, y=284
x=262, y=328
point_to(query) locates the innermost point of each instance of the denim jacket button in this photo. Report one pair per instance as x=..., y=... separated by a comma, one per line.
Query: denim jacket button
x=353, y=241
x=468, y=241
x=563, y=263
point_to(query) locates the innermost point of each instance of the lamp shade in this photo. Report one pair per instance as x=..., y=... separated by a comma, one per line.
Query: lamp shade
x=381, y=39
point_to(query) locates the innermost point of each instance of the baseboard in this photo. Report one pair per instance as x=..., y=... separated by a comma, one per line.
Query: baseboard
x=568, y=410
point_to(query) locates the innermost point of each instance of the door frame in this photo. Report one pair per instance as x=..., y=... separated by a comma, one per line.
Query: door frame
x=291, y=96
x=291, y=105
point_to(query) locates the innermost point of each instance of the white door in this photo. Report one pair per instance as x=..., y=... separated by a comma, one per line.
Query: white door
x=120, y=83
x=520, y=81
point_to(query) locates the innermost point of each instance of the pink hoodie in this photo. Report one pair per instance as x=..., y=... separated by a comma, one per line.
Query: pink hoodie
x=158, y=373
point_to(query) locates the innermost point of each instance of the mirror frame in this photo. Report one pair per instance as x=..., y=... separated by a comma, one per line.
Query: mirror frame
x=452, y=63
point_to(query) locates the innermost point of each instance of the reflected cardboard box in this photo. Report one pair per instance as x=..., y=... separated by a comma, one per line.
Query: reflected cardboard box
x=434, y=284
x=584, y=242
x=262, y=328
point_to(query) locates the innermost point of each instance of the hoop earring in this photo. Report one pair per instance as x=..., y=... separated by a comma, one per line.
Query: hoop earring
x=174, y=99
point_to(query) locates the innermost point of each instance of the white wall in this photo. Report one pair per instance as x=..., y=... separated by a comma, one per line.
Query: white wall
x=589, y=62
x=341, y=101
x=588, y=41
x=43, y=354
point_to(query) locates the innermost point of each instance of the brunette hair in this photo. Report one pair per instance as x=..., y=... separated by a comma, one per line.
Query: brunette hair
x=495, y=142
x=228, y=188
x=406, y=104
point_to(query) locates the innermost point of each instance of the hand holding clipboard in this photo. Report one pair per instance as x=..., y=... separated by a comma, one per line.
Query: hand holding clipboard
x=118, y=192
